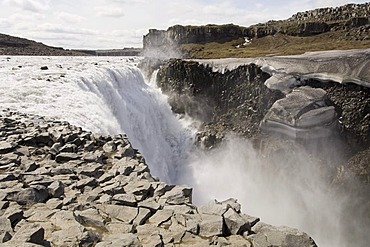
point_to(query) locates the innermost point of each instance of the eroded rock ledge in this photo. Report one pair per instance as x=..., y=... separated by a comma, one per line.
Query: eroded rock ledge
x=62, y=186
x=236, y=100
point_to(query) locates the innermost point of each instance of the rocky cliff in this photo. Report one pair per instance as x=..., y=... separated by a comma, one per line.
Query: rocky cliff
x=322, y=115
x=343, y=23
x=236, y=100
x=165, y=43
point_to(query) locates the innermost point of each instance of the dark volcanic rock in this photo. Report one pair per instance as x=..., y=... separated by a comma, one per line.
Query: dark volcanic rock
x=352, y=102
x=236, y=100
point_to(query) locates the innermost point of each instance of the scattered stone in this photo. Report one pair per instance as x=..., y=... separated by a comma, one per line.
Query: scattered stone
x=178, y=195
x=161, y=216
x=13, y=214
x=214, y=208
x=121, y=213
x=30, y=233
x=62, y=186
x=86, y=182
x=30, y=167
x=65, y=157
x=142, y=216
x=90, y=217
x=6, y=147
x=5, y=227
x=267, y=235
x=236, y=224
x=27, y=196
x=125, y=200
x=7, y=177
x=211, y=225
x=127, y=239
x=56, y=189
x=109, y=147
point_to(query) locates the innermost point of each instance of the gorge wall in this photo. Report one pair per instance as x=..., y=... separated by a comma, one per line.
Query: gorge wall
x=238, y=101
x=351, y=18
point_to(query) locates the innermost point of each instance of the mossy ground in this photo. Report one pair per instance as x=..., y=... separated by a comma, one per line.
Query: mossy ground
x=278, y=44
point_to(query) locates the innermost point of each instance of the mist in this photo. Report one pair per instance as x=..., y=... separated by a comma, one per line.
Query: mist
x=286, y=185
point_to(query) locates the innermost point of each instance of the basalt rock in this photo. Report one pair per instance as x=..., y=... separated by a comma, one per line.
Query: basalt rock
x=235, y=100
x=61, y=204
x=350, y=17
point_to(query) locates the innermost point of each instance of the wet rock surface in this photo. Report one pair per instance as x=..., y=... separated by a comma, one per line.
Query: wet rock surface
x=236, y=100
x=108, y=199
x=304, y=113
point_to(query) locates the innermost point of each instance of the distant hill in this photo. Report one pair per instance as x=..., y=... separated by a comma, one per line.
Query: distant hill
x=10, y=45
x=344, y=27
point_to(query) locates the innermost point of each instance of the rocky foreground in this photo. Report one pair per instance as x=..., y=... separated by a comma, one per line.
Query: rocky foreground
x=63, y=186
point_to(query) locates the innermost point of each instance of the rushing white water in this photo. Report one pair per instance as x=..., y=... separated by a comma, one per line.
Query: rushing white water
x=110, y=96
x=105, y=95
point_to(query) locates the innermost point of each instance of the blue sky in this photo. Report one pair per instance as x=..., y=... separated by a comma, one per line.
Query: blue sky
x=122, y=23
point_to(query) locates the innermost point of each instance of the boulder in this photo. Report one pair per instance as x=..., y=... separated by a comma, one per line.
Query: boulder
x=6, y=147
x=127, y=239
x=67, y=230
x=68, y=148
x=211, y=225
x=90, y=217
x=235, y=223
x=27, y=196
x=121, y=213
x=178, y=195
x=30, y=233
x=6, y=230
x=65, y=157
x=125, y=200
x=153, y=240
x=56, y=189
x=142, y=216
x=215, y=207
x=267, y=235
x=109, y=147
x=14, y=215
x=161, y=216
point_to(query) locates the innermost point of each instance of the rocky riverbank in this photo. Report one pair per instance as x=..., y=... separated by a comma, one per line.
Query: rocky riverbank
x=63, y=186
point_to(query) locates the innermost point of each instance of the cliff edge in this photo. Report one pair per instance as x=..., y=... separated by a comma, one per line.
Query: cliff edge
x=344, y=27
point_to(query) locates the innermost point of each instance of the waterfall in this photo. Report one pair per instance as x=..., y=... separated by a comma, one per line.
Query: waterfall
x=112, y=96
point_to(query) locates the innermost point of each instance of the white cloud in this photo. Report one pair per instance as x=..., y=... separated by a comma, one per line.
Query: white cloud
x=109, y=11
x=29, y=5
x=84, y=23
x=129, y=1
x=57, y=28
x=5, y=23
x=70, y=18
